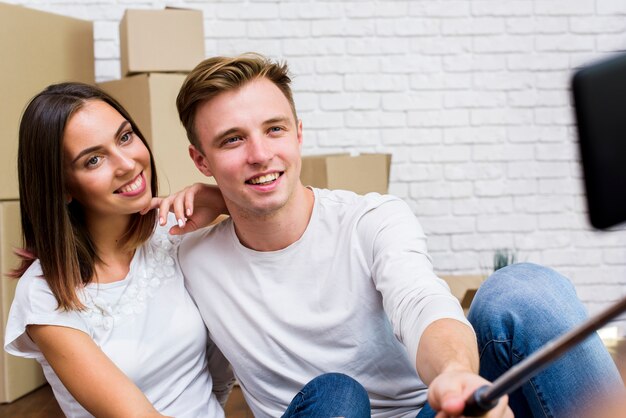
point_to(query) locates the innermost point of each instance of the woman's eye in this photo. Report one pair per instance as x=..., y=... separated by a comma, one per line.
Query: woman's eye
x=127, y=137
x=93, y=161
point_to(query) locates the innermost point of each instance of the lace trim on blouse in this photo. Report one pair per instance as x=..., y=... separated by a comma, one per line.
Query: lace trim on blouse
x=143, y=283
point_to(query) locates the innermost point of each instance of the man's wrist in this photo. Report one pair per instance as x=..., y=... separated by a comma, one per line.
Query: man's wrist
x=458, y=367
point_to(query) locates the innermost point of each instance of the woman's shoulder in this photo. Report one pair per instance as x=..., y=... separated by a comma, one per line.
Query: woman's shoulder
x=33, y=271
x=34, y=303
x=32, y=280
x=32, y=290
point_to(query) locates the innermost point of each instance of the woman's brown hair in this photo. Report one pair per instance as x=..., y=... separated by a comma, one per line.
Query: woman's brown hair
x=53, y=230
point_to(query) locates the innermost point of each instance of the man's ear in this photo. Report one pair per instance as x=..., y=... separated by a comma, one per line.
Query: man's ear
x=299, y=131
x=199, y=160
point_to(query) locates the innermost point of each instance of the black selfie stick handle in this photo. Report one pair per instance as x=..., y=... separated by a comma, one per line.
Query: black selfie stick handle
x=476, y=406
x=486, y=397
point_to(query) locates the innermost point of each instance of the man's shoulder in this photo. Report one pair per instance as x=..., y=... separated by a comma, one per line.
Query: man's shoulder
x=345, y=210
x=348, y=200
x=208, y=235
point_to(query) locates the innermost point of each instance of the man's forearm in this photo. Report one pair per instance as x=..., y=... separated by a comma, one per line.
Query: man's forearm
x=446, y=345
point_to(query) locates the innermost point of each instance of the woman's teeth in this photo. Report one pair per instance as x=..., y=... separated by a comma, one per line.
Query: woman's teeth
x=131, y=187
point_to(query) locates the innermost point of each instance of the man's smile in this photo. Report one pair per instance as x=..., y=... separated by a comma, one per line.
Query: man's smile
x=264, y=179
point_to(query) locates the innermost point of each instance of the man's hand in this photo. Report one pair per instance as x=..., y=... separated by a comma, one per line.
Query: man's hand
x=447, y=361
x=195, y=207
x=449, y=390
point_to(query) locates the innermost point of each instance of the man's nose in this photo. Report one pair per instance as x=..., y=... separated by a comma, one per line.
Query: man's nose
x=259, y=150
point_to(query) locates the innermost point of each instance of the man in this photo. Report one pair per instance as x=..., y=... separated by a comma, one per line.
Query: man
x=300, y=281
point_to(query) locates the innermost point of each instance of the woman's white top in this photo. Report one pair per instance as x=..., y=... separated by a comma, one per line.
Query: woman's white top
x=146, y=324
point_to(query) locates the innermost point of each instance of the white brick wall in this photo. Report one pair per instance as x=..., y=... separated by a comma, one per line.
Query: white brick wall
x=471, y=97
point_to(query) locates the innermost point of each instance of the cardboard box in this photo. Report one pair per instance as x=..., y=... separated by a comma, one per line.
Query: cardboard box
x=151, y=101
x=169, y=40
x=18, y=376
x=38, y=49
x=361, y=174
x=464, y=287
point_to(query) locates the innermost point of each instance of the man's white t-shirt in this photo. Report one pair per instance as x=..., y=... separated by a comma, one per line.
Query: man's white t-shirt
x=352, y=295
x=146, y=324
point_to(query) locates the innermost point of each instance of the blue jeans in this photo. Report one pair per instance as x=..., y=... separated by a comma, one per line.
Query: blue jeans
x=330, y=395
x=515, y=312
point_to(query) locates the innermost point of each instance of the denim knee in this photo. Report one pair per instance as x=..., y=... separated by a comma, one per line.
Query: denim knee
x=523, y=286
x=343, y=388
x=526, y=294
x=518, y=310
x=337, y=380
x=331, y=395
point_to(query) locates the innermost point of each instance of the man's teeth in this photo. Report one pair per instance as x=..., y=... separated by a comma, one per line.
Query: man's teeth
x=131, y=187
x=264, y=179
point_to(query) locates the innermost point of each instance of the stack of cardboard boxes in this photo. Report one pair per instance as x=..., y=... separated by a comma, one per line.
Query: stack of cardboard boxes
x=37, y=49
x=157, y=49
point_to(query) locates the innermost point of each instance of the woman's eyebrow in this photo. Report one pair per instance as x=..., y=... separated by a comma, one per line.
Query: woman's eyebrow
x=97, y=147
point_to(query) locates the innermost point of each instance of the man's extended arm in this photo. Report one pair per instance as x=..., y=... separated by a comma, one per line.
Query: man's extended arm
x=447, y=361
x=446, y=344
x=425, y=316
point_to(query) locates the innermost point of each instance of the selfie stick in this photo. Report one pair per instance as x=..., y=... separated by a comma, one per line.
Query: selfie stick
x=486, y=397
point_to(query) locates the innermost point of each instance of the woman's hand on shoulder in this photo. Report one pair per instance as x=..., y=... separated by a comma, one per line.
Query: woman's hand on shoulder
x=195, y=207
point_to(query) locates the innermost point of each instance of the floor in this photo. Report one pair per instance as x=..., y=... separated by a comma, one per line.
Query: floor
x=236, y=406
x=41, y=403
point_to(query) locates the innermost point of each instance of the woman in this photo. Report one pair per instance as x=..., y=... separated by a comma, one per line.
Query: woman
x=101, y=302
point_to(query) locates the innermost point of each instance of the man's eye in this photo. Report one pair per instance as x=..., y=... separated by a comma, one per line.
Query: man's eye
x=276, y=129
x=232, y=140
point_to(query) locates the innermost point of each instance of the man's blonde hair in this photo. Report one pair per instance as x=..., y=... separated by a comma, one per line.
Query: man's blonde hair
x=220, y=74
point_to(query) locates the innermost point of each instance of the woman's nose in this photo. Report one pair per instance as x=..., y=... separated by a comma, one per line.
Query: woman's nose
x=125, y=163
